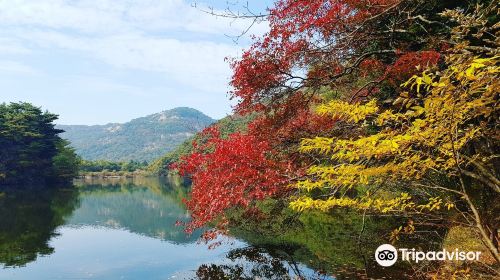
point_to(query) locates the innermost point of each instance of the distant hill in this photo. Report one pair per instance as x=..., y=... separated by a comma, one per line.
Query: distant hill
x=140, y=139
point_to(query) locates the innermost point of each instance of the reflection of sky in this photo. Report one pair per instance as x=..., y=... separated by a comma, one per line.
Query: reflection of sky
x=103, y=253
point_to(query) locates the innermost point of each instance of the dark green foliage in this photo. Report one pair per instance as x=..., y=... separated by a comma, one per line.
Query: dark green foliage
x=30, y=149
x=29, y=221
x=145, y=138
x=65, y=162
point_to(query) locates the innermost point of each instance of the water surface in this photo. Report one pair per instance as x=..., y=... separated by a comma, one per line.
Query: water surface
x=121, y=229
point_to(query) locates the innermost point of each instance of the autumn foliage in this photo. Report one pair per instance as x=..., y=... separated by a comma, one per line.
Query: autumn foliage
x=331, y=115
x=312, y=44
x=231, y=172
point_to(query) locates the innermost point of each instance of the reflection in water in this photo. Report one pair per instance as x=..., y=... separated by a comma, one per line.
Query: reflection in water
x=120, y=229
x=250, y=263
x=125, y=229
x=340, y=243
x=146, y=206
x=28, y=221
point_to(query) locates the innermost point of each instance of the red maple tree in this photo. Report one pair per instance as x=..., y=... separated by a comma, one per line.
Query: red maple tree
x=231, y=172
x=312, y=46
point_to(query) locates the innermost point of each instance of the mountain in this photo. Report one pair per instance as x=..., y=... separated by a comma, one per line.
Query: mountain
x=140, y=139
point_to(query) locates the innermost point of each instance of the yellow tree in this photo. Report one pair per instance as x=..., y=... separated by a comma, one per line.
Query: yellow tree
x=440, y=136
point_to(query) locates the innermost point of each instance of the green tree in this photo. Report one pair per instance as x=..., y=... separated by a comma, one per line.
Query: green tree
x=30, y=146
x=66, y=163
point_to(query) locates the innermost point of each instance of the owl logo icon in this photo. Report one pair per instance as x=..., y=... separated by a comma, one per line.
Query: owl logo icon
x=386, y=255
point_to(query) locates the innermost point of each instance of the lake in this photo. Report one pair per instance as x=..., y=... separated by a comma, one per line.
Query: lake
x=125, y=229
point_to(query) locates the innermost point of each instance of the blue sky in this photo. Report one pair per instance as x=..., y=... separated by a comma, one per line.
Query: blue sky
x=94, y=62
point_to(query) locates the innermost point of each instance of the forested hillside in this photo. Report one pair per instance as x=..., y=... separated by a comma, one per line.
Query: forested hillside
x=140, y=139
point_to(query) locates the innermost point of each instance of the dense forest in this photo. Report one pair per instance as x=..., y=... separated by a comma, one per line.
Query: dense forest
x=383, y=108
x=32, y=152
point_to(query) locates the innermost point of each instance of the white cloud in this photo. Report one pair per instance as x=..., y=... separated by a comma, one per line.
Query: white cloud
x=100, y=85
x=58, y=14
x=10, y=66
x=111, y=16
x=198, y=64
x=12, y=47
x=167, y=36
x=140, y=55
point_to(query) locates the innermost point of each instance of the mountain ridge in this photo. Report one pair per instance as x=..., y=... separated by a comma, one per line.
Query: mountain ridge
x=143, y=138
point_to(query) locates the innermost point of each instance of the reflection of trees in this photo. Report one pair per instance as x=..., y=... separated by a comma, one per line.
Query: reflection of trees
x=253, y=263
x=28, y=221
x=174, y=187
x=332, y=242
x=147, y=206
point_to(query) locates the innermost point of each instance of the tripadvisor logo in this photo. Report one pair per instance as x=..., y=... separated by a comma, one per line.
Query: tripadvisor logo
x=387, y=255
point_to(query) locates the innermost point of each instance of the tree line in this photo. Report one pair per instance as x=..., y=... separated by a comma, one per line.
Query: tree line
x=104, y=165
